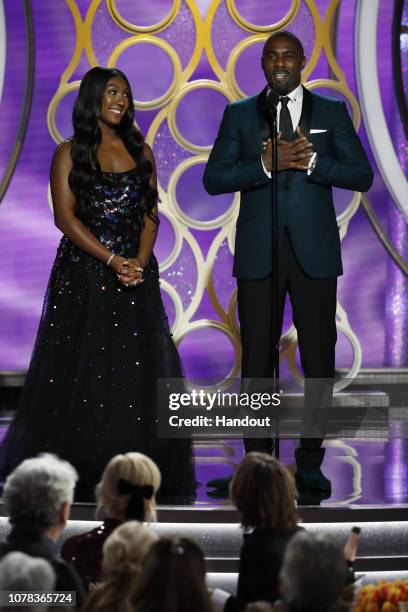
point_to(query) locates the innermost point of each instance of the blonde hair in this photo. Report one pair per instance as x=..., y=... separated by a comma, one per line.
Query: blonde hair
x=264, y=492
x=135, y=468
x=127, y=545
x=123, y=553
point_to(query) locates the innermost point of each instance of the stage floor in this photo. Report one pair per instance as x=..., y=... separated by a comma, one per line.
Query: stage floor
x=363, y=473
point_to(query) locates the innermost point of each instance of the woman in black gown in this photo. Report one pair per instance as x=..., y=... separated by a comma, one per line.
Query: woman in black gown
x=103, y=339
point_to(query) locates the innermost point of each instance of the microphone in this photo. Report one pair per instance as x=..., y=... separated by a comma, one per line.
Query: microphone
x=272, y=100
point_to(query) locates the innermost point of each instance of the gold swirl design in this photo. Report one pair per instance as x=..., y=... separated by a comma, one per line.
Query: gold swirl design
x=252, y=27
x=134, y=28
x=171, y=54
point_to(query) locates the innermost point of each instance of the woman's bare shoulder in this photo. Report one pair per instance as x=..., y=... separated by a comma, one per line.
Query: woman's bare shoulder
x=62, y=154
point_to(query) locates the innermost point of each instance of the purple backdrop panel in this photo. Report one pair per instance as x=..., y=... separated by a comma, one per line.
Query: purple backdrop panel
x=142, y=59
x=198, y=115
x=165, y=239
x=144, y=15
x=213, y=354
x=194, y=201
x=167, y=153
x=262, y=12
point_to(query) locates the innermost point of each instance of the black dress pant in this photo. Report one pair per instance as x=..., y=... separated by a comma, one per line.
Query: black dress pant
x=314, y=316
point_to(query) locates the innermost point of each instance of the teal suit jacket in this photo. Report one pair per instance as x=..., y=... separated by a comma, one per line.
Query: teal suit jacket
x=305, y=203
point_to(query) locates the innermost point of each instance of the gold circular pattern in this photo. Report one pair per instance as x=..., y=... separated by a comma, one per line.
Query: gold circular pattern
x=171, y=54
x=183, y=91
x=52, y=109
x=135, y=29
x=235, y=54
x=178, y=304
x=205, y=324
x=252, y=27
x=178, y=211
x=178, y=239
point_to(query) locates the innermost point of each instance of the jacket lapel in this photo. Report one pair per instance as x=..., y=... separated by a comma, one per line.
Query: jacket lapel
x=306, y=115
x=261, y=110
x=305, y=122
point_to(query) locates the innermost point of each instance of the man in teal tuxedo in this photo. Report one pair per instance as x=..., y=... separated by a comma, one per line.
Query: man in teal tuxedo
x=318, y=149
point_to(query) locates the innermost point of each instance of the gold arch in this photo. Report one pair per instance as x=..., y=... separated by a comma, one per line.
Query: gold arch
x=171, y=54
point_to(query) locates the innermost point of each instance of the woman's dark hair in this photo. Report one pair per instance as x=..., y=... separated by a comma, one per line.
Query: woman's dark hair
x=173, y=578
x=264, y=493
x=87, y=139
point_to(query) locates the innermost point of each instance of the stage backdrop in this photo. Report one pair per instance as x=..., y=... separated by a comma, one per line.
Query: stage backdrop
x=186, y=59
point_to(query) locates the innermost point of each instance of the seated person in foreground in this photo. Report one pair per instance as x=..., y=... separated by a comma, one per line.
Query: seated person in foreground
x=264, y=493
x=38, y=495
x=20, y=572
x=313, y=575
x=123, y=555
x=173, y=579
x=126, y=491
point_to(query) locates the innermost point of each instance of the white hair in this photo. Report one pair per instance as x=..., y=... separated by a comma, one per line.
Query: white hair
x=34, y=492
x=313, y=572
x=20, y=572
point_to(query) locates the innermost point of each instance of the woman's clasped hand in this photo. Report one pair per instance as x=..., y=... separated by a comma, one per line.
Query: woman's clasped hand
x=128, y=270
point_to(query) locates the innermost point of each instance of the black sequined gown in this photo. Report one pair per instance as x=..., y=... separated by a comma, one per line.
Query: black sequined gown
x=90, y=391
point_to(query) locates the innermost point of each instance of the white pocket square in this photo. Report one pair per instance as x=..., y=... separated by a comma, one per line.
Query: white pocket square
x=317, y=131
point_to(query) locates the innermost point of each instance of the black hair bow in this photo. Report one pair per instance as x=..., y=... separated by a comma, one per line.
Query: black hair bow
x=138, y=493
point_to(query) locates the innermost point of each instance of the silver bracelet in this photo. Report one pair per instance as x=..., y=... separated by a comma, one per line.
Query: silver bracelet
x=110, y=259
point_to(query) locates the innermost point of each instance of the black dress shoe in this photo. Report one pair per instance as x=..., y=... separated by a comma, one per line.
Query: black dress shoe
x=218, y=494
x=221, y=484
x=308, y=475
x=310, y=498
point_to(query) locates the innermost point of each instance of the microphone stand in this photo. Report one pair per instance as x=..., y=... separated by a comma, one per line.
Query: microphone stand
x=272, y=100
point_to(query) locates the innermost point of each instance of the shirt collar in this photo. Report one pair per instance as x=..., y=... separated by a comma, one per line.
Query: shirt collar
x=296, y=95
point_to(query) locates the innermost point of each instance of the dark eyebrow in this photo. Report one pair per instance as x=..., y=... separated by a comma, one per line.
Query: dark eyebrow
x=283, y=51
x=112, y=85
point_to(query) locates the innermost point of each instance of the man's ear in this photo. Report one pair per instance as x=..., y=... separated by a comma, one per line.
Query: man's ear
x=304, y=62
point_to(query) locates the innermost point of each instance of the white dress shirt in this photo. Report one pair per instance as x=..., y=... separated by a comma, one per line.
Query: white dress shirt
x=295, y=108
x=294, y=105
